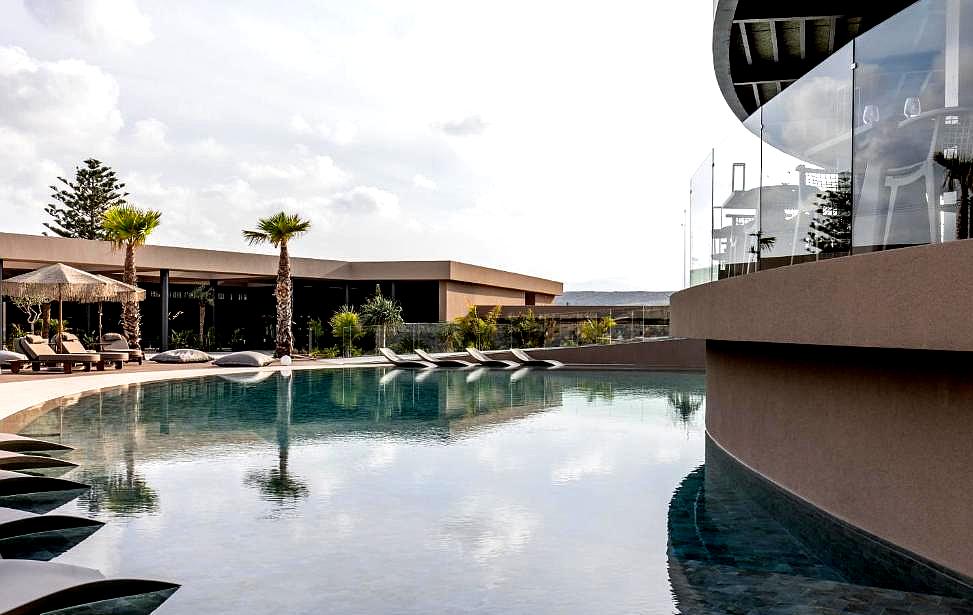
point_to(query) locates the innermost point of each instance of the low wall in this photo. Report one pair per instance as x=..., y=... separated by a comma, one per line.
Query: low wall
x=662, y=354
x=878, y=438
x=919, y=297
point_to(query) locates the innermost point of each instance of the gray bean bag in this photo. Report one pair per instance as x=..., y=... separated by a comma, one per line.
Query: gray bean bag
x=182, y=355
x=6, y=357
x=247, y=358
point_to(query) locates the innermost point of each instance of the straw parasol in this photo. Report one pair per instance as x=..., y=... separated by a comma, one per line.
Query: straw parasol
x=62, y=283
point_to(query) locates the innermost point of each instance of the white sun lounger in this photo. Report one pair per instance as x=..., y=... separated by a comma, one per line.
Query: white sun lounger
x=42, y=587
x=398, y=361
x=528, y=361
x=486, y=361
x=441, y=362
x=21, y=444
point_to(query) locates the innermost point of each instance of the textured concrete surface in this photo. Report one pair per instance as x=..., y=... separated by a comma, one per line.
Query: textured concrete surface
x=919, y=297
x=878, y=438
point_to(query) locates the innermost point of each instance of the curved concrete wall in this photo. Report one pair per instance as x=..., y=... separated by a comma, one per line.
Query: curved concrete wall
x=880, y=439
x=919, y=297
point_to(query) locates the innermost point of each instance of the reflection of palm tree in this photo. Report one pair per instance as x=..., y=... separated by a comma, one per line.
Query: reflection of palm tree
x=958, y=170
x=127, y=493
x=277, y=484
x=684, y=404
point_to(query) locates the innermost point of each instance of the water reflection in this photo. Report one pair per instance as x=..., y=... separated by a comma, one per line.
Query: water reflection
x=739, y=545
x=544, y=492
x=277, y=484
x=121, y=490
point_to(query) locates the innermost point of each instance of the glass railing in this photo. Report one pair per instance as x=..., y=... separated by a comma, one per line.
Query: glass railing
x=871, y=150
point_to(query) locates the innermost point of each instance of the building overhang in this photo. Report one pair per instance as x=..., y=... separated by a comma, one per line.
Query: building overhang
x=193, y=265
x=762, y=46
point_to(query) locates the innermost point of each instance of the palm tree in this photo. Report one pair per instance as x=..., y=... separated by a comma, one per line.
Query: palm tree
x=277, y=230
x=384, y=313
x=128, y=226
x=204, y=295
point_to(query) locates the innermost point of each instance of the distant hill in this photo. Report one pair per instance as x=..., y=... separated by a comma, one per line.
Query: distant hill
x=593, y=297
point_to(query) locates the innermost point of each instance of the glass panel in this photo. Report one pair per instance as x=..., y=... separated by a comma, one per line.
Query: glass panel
x=701, y=224
x=805, y=194
x=736, y=200
x=913, y=128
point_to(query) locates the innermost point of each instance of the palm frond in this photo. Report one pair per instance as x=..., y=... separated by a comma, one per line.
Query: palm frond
x=256, y=237
x=277, y=229
x=127, y=224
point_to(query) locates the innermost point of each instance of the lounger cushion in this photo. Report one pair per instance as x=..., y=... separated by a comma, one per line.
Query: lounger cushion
x=6, y=357
x=182, y=355
x=247, y=358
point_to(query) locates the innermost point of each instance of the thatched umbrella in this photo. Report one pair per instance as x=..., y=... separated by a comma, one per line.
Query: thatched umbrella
x=63, y=283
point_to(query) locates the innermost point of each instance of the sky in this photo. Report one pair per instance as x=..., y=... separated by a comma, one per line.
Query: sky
x=549, y=138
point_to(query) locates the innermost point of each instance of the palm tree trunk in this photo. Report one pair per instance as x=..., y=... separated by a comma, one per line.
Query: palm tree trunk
x=131, y=318
x=285, y=308
x=202, y=323
x=46, y=321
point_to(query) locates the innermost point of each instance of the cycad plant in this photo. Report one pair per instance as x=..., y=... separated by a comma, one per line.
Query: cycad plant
x=129, y=227
x=383, y=313
x=346, y=326
x=278, y=230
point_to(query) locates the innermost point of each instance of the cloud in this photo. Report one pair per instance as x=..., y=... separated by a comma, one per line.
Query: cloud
x=421, y=181
x=62, y=100
x=151, y=134
x=315, y=170
x=466, y=127
x=343, y=132
x=115, y=22
x=367, y=200
x=207, y=148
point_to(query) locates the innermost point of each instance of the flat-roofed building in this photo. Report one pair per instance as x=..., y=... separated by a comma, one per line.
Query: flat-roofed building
x=429, y=291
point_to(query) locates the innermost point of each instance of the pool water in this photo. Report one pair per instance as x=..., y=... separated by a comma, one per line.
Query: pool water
x=389, y=491
x=372, y=491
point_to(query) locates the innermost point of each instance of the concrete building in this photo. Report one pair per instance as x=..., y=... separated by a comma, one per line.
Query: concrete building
x=831, y=279
x=430, y=291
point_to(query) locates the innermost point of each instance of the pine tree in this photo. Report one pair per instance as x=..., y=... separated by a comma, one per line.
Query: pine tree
x=830, y=228
x=82, y=204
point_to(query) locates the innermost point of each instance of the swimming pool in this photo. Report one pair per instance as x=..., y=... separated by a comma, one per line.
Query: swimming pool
x=374, y=490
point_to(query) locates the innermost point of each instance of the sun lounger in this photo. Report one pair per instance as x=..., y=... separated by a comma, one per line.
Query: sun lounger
x=71, y=344
x=528, y=361
x=23, y=444
x=19, y=461
x=116, y=342
x=486, y=361
x=441, y=362
x=398, y=361
x=38, y=494
x=39, y=352
x=26, y=535
x=42, y=587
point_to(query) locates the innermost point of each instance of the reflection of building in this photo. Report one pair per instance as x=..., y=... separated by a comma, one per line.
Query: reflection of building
x=845, y=381
x=430, y=291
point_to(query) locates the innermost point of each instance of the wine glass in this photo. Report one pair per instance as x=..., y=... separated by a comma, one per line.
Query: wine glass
x=912, y=107
x=870, y=115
